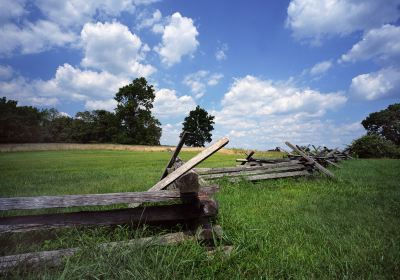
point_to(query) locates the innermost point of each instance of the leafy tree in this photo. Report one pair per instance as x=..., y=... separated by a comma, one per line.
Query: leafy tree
x=135, y=102
x=199, y=124
x=374, y=146
x=19, y=124
x=385, y=123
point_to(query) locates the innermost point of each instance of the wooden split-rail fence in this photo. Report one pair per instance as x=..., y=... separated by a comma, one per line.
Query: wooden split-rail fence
x=299, y=162
x=194, y=208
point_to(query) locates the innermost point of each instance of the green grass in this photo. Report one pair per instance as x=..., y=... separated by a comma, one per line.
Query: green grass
x=281, y=229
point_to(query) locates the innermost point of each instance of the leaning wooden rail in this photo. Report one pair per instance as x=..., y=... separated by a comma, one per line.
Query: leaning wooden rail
x=311, y=160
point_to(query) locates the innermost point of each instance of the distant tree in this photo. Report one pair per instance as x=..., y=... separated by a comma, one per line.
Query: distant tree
x=56, y=127
x=19, y=124
x=374, y=146
x=200, y=124
x=106, y=126
x=133, y=111
x=385, y=123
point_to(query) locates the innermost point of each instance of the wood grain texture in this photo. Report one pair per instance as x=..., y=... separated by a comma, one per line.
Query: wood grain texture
x=152, y=215
x=254, y=172
x=190, y=164
x=311, y=160
x=43, y=202
x=204, y=171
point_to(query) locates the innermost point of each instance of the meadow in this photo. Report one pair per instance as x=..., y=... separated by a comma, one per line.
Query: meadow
x=303, y=228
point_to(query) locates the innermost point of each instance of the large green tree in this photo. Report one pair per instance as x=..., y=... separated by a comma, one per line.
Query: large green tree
x=135, y=102
x=199, y=124
x=385, y=123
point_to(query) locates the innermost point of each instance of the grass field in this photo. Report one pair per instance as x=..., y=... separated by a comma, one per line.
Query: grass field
x=289, y=228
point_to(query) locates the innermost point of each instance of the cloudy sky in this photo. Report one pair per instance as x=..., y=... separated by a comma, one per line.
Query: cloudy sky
x=307, y=71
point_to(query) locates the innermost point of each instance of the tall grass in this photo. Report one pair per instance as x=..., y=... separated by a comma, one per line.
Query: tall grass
x=289, y=228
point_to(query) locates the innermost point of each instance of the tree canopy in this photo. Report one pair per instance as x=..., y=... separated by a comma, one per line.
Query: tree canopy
x=385, y=123
x=132, y=123
x=135, y=102
x=199, y=124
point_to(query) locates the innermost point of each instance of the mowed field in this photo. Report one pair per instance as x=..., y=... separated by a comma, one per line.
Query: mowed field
x=290, y=228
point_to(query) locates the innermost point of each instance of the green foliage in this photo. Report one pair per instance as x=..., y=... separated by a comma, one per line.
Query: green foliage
x=385, y=123
x=135, y=102
x=19, y=123
x=199, y=124
x=306, y=228
x=374, y=146
x=133, y=122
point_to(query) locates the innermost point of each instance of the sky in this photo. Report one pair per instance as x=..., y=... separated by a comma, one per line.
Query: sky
x=304, y=71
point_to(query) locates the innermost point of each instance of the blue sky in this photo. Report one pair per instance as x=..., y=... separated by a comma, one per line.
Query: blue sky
x=306, y=71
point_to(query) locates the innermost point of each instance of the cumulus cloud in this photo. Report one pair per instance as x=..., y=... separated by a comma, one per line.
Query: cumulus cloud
x=320, y=68
x=198, y=81
x=253, y=96
x=262, y=114
x=381, y=43
x=179, y=38
x=314, y=20
x=384, y=83
x=74, y=13
x=149, y=21
x=168, y=104
x=108, y=104
x=112, y=47
x=33, y=37
x=170, y=133
x=69, y=84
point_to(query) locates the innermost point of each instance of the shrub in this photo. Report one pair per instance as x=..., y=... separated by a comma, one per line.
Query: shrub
x=374, y=146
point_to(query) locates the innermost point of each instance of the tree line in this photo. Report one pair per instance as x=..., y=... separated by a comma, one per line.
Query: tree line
x=131, y=123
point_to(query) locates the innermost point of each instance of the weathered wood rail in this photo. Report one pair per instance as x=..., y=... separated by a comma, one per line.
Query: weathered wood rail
x=194, y=207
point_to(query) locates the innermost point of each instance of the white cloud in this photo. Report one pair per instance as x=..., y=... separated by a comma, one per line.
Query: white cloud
x=108, y=104
x=262, y=114
x=170, y=133
x=33, y=37
x=382, y=43
x=198, y=81
x=6, y=72
x=178, y=40
x=214, y=79
x=314, y=20
x=69, y=85
x=168, y=104
x=384, y=83
x=252, y=96
x=11, y=9
x=147, y=22
x=320, y=68
x=220, y=54
x=113, y=48
x=74, y=13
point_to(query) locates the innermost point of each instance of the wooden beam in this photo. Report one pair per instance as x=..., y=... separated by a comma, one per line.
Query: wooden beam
x=250, y=172
x=311, y=160
x=56, y=257
x=204, y=171
x=152, y=215
x=44, y=202
x=272, y=176
x=190, y=164
x=175, y=154
x=251, y=153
